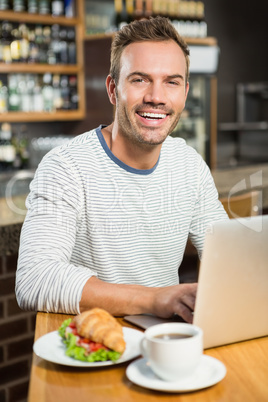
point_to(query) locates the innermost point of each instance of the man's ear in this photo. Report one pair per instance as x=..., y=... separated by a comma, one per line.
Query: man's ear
x=186, y=90
x=110, y=86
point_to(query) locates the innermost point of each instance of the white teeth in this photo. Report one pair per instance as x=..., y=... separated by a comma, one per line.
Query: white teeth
x=153, y=115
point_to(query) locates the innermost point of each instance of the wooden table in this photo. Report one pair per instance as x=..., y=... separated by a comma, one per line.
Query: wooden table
x=246, y=379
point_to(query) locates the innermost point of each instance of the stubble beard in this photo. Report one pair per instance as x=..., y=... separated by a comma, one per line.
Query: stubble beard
x=130, y=130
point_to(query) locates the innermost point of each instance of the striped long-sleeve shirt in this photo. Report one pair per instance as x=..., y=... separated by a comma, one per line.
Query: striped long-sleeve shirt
x=90, y=214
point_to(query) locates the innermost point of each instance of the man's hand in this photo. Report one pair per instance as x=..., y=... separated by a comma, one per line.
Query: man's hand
x=178, y=299
x=121, y=299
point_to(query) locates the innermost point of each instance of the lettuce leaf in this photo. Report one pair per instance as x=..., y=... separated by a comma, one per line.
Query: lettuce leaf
x=63, y=327
x=78, y=352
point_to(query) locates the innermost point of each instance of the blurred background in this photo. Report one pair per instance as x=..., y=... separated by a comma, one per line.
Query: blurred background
x=53, y=76
x=54, y=59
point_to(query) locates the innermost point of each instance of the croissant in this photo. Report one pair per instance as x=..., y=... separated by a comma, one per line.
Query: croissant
x=99, y=326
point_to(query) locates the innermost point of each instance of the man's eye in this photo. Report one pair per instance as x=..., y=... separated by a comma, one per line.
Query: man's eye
x=138, y=80
x=173, y=83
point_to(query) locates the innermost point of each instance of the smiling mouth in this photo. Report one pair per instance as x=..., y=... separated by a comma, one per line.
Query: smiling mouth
x=152, y=116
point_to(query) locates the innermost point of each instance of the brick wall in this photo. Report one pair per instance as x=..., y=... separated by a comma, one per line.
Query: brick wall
x=16, y=337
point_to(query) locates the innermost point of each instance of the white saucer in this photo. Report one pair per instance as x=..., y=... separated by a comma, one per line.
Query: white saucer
x=209, y=372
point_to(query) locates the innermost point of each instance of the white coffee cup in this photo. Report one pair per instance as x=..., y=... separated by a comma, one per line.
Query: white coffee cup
x=173, y=359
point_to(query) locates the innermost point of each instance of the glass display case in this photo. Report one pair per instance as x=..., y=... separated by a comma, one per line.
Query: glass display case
x=196, y=124
x=245, y=140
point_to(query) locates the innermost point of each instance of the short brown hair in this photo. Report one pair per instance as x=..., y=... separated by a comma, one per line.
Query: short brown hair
x=152, y=29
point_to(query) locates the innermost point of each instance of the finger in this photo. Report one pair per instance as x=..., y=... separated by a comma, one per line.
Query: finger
x=191, y=288
x=189, y=301
x=189, y=295
x=184, y=312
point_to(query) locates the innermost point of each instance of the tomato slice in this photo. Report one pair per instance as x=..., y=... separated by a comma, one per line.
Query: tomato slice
x=72, y=326
x=92, y=346
x=85, y=340
x=96, y=346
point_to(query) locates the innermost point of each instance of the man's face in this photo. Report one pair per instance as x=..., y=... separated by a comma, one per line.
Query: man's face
x=151, y=91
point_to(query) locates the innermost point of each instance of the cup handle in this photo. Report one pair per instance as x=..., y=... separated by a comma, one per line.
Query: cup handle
x=143, y=347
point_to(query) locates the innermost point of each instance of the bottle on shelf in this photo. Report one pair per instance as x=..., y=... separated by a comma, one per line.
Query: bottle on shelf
x=139, y=10
x=3, y=98
x=51, y=56
x=1, y=45
x=15, y=45
x=65, y=92
x=41, y=41
x=130, y=10
x=38, y=32
x=187, y=16
x=26, y=90
x=69, y=8
x=55, y=42
x=163, y=4
x=63, y=45
x=74, y=97
x=38, y=101
x=57, y=96
x=156, y=7
x=6, y=40
x=47, y=92
x=124, y=15
x=14, y=100
x=118, y=7
x=46, y=44
x=20, y=142
x=148, y=8
x=4, y=5
x=39, y=93
x=23, y=43
x=32, y=6
x=57, y=7
x=7, y=149
x=189, y=19
x=172, y=9
x=25, y=101
x=37, y=44
x=23, y=149
x=33, y=47
x=44, y=7
x=19, y=5
x=71, y=46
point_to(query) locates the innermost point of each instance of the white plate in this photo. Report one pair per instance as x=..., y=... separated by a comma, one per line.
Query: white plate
x=209, y=372
x=51, y=347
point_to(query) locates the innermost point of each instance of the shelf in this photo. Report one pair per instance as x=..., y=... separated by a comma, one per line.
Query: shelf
x=246, y=126
x=35, y=68
x=37, y=18
x=24, y=117
x=208, y=41
x=21, y=68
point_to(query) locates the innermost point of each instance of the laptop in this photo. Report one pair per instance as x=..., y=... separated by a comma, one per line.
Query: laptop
x=232, y=296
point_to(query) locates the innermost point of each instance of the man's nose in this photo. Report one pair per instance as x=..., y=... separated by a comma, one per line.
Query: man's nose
x=155, y=94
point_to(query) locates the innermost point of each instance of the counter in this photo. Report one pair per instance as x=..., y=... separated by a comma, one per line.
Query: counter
x=243, y=179
x=231, y=181
x=12, y=215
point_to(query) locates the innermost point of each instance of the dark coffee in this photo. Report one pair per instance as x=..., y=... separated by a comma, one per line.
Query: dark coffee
x=171, y=337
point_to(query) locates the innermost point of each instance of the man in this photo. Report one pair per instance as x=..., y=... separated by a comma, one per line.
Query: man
x=109, y=214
